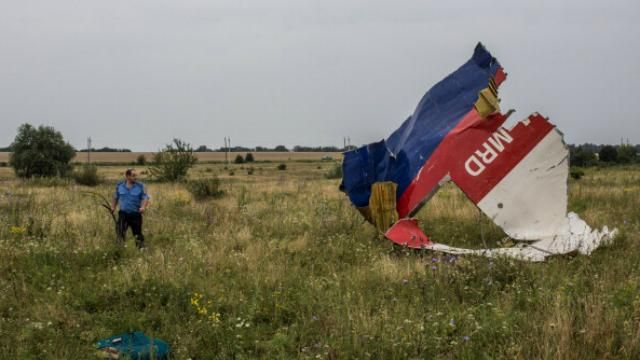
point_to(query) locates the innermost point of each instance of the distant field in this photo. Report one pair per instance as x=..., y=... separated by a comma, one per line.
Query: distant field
x=122, y=157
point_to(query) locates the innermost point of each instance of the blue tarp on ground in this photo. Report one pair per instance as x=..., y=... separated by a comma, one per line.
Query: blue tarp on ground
x=135, y=345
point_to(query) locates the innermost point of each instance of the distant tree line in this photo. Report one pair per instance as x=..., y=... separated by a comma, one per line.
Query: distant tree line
x=591, y=154
x=106, y=149
x=299, y=148
x=279, y=148
x=204, y=148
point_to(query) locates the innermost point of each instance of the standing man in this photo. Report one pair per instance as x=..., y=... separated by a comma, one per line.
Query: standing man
x=133, y=200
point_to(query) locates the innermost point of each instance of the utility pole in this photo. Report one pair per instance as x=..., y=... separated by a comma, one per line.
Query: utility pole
x=227, y=148
x=89, y=150
x=226, y=154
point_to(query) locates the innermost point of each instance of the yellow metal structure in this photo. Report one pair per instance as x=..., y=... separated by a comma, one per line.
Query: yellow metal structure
x=488, y=101
x=382, y=205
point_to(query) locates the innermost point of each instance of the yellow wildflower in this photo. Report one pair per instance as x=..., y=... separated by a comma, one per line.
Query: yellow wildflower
x=18, y=230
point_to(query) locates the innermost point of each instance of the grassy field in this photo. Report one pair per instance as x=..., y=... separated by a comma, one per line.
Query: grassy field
x=130, y=157
x=283, y=267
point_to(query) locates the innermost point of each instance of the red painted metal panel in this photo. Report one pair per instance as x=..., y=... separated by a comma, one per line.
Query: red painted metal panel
x=480, y=140
x=406, y=232
x=477, y=144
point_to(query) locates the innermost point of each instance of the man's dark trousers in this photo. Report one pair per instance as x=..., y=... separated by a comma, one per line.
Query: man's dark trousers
x=133, y=220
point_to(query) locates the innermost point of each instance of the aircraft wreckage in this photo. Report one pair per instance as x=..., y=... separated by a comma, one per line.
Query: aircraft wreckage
x=517, y=176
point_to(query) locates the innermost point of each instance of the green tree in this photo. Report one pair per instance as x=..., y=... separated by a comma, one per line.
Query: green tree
x=608, y=154
x=173, y=162
x=40, y=152
x=239, y=159
x=626, y=154
x=581, y=156
x=248, y=157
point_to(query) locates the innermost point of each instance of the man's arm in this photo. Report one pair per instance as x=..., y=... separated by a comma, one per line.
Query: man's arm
x=144, y=205
x=145, y=200
x=114, y=202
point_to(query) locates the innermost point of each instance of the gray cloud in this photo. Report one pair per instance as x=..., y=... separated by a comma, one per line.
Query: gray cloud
x=135, y=74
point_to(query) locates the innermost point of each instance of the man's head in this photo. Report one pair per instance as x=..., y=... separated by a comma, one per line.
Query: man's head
x=131, y=175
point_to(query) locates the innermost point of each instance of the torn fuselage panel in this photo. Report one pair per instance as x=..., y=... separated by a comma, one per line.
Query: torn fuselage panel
x=518, y=176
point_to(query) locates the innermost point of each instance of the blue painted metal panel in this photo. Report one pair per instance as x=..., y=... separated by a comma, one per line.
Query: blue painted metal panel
x=402, y=154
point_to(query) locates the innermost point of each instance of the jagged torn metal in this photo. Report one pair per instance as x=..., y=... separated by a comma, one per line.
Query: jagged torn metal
x=517, y=176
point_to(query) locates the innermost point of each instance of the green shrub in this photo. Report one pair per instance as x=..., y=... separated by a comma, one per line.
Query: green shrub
x=173, y=162
x=248, y=157
x=335, y=172
x=3, y=164
x=87, y=175
x=576, y=173
x=141, y=160
x=282, y=167
x=250, y=171
x=239, y=159
x=204, y=188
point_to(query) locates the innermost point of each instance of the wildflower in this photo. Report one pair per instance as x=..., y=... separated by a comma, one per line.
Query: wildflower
x=405, y=281
x=466, y=338
x=204, y=309
x=17, y=230
x=452, y=323
x=214, y=318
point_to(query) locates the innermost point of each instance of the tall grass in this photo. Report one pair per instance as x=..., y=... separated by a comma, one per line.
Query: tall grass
x=284, y=267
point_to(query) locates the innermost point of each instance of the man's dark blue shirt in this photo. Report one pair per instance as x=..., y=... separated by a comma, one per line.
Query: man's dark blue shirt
x=130, y=200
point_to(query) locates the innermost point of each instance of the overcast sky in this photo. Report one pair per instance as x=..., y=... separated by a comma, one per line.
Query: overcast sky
x=138, y=73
